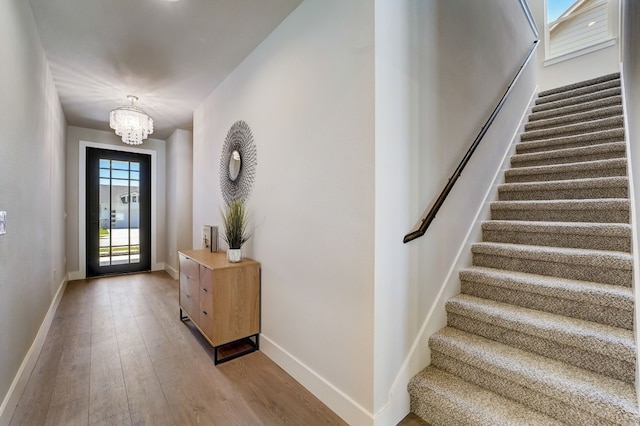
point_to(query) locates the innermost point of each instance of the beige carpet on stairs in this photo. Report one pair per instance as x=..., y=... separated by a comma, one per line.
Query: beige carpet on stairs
x=542, y=333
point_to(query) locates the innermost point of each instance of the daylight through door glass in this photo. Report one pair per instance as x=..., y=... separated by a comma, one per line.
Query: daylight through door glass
x=119, y=212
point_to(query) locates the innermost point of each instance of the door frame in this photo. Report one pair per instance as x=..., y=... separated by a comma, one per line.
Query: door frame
x=82, y=200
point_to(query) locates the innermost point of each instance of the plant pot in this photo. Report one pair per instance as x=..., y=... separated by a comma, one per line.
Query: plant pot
x=234, y=255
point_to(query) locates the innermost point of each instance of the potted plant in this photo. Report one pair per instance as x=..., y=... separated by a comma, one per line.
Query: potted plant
x=236, y=233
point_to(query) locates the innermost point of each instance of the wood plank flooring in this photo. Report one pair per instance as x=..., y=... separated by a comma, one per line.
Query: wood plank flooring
x=117, y=354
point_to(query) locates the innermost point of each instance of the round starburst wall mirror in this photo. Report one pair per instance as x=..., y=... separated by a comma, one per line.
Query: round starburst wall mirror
x=237, y=163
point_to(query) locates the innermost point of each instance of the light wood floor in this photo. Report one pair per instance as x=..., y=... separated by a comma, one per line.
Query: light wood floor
x=117, y=354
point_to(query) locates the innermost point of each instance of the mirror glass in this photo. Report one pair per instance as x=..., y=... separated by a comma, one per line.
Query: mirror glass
x=235, y=162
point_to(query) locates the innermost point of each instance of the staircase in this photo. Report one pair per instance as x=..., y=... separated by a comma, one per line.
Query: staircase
x=542, y=333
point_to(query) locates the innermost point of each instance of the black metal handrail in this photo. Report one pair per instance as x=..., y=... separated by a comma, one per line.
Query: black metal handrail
x=426, y=221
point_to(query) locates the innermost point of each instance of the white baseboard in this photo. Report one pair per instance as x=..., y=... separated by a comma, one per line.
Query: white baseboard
x=345, y=407
x=171, y=271
x=79, y=275
x=76, y=275
x=22, y=376
x=398, y=405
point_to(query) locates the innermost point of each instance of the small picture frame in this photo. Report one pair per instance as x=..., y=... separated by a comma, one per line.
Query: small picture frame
x=206, y=237
x=214, y=239
x=209, y=238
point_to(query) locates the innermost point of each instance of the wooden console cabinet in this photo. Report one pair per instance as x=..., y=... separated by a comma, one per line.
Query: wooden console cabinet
x=222, y=299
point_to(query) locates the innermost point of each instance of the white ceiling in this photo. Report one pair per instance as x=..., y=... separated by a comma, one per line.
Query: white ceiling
x=171, y=54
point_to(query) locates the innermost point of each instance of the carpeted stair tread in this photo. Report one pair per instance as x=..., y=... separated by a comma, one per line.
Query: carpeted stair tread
x=546, y=334
x=601, y=266
x=570, y=155
x=527, y=376
x=579, y=91
x=581, y=170
x=584, y=83
x=609, y=210
x=573, y=129
x=573, y=109
x=601, y=187
x=618, y=260
x=582, y=292
x=575, y=141
x=566, y=119
x=597, y=236
x=444, y=399
x=589, y=97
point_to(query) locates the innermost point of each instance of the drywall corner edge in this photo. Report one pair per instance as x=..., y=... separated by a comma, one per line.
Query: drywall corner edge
x=173, y=273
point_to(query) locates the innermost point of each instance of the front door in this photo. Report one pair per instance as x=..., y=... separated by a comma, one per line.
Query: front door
x=118, y=212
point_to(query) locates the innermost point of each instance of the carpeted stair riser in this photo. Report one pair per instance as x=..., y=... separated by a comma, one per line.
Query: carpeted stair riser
x=590, y=97
x=581, y=91
x=569, y=171
x=444, y=399
x=602, y=211
x=565, y=120
x=585, y=83
x=614, y=368
x=574, y=109
x=607, y=315
x=614, y=237
x=557, y=409
x=570, y=155
x=608, y=187
x=573, y=129
x=576, y=264
x=594, y=347
x=577, y=141
x=601, y=303
x=563, y=391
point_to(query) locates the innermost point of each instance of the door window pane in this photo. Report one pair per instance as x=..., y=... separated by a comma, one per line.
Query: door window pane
x=119, y=213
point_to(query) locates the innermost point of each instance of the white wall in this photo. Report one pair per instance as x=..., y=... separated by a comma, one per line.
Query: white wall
x=179, y=197
x=441, y=68
x=76, y=135
x=32, y=193
x=595, y=64
x=307, y=94
x=345, y=312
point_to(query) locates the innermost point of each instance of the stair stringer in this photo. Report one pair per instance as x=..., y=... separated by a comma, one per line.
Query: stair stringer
x=635, y=241
x=436, y=318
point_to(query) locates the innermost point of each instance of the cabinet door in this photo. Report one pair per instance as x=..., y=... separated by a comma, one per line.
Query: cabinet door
x=205, y=315
x=236, y=299
x=189, y=287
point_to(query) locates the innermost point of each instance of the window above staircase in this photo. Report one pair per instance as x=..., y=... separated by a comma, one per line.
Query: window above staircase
x=583, y=27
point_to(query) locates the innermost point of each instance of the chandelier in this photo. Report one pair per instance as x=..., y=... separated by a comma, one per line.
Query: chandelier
x=131, y=123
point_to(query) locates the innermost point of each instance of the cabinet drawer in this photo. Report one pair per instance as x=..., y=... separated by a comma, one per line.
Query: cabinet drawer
x=189, y=296
x=206, y=322
x=206, y=302
x=190, y=268
x=189, y=286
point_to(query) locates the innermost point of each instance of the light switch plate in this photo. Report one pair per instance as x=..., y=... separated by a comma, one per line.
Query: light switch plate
x=3, y=223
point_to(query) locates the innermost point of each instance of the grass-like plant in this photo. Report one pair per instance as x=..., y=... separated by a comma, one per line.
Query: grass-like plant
x=235, y=222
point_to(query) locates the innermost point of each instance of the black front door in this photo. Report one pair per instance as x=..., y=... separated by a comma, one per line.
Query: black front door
x=118, y=212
